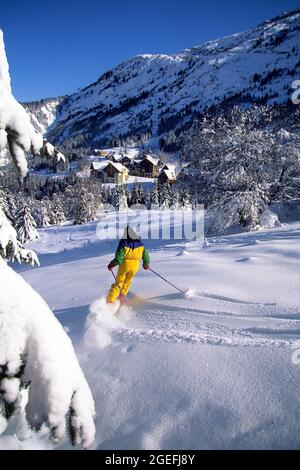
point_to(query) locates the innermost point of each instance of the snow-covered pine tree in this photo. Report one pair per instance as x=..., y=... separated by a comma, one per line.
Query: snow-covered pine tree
x=35, y=351
x=137, y=195
x=185, y=200
x=35, y=212
x=107, y=197
x=97, y=192
x=41, y=213
x=154, y=194
x=236, y=208
x=175, y=200
x=122, y=203
x=147, y=199
x=127, y=194
x=69, y=200
x=239, y=152
x=134, y=194
x=120, y=198
x=85, y=209
x=25, y=225
x=285, y=186
x=57, y=215
x=10, y=247
x=141, y=193
x=116, y=196
x=3, y=202
x=45, y=212
x=11, y=206
x=165, y=200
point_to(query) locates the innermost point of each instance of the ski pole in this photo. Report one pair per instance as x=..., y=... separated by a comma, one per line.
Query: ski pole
x=166, y=280
x=117, y=282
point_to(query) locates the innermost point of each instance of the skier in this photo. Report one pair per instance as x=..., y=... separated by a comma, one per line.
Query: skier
x=130, y=252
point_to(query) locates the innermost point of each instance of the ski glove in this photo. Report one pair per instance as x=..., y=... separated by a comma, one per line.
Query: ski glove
x=146, y=266
x=111, y=265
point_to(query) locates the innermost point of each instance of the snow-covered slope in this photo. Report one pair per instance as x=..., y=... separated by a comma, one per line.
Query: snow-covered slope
x=213, y=369
x=42, y=113
x=151, y=94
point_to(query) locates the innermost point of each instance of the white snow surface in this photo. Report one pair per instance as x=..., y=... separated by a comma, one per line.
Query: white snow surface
x=211, y=369
x=269, y=219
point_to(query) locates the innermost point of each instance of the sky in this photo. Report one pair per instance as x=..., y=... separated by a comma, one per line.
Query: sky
x=55, y=47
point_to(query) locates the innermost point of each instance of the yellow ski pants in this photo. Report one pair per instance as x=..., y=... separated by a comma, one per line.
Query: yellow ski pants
x=126, y=272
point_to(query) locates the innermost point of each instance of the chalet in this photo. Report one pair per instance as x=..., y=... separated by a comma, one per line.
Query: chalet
x=170, y=166
x=135, y=167
x=147, y=166
x=92, y=158
x=96, y=168
x=116, y=157
x=109, y=172
x=120, y=158
x=166, y=176
x=111, y=157
x=169, y=173
x=176, y=169
x=100, y=153
x=126, y=160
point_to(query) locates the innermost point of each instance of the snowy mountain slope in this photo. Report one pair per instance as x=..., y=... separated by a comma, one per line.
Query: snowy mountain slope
x=43, y=113
x=151, y=94
x=212, y=369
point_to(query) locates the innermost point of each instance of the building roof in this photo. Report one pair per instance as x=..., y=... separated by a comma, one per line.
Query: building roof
x=175, y=169
x=152, y=160
x=117, y=157
x=99, y=166
x=169, y=174
x=130, y=157
x=119, y=166
x=170, y=166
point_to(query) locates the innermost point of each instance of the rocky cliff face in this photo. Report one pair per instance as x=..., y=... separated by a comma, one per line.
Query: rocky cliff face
x=43, y=113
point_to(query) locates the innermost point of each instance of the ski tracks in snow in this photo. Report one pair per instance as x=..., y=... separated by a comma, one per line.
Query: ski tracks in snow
x=156, y=322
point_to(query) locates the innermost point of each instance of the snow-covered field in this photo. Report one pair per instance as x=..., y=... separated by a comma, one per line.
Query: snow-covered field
x=212, y=369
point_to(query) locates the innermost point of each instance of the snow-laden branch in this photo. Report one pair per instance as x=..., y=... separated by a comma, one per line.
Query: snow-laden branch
x=10, y=247
x=16, y=130
x=35, y=349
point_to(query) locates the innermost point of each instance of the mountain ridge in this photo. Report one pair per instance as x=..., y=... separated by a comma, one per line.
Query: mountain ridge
x=146, y=96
